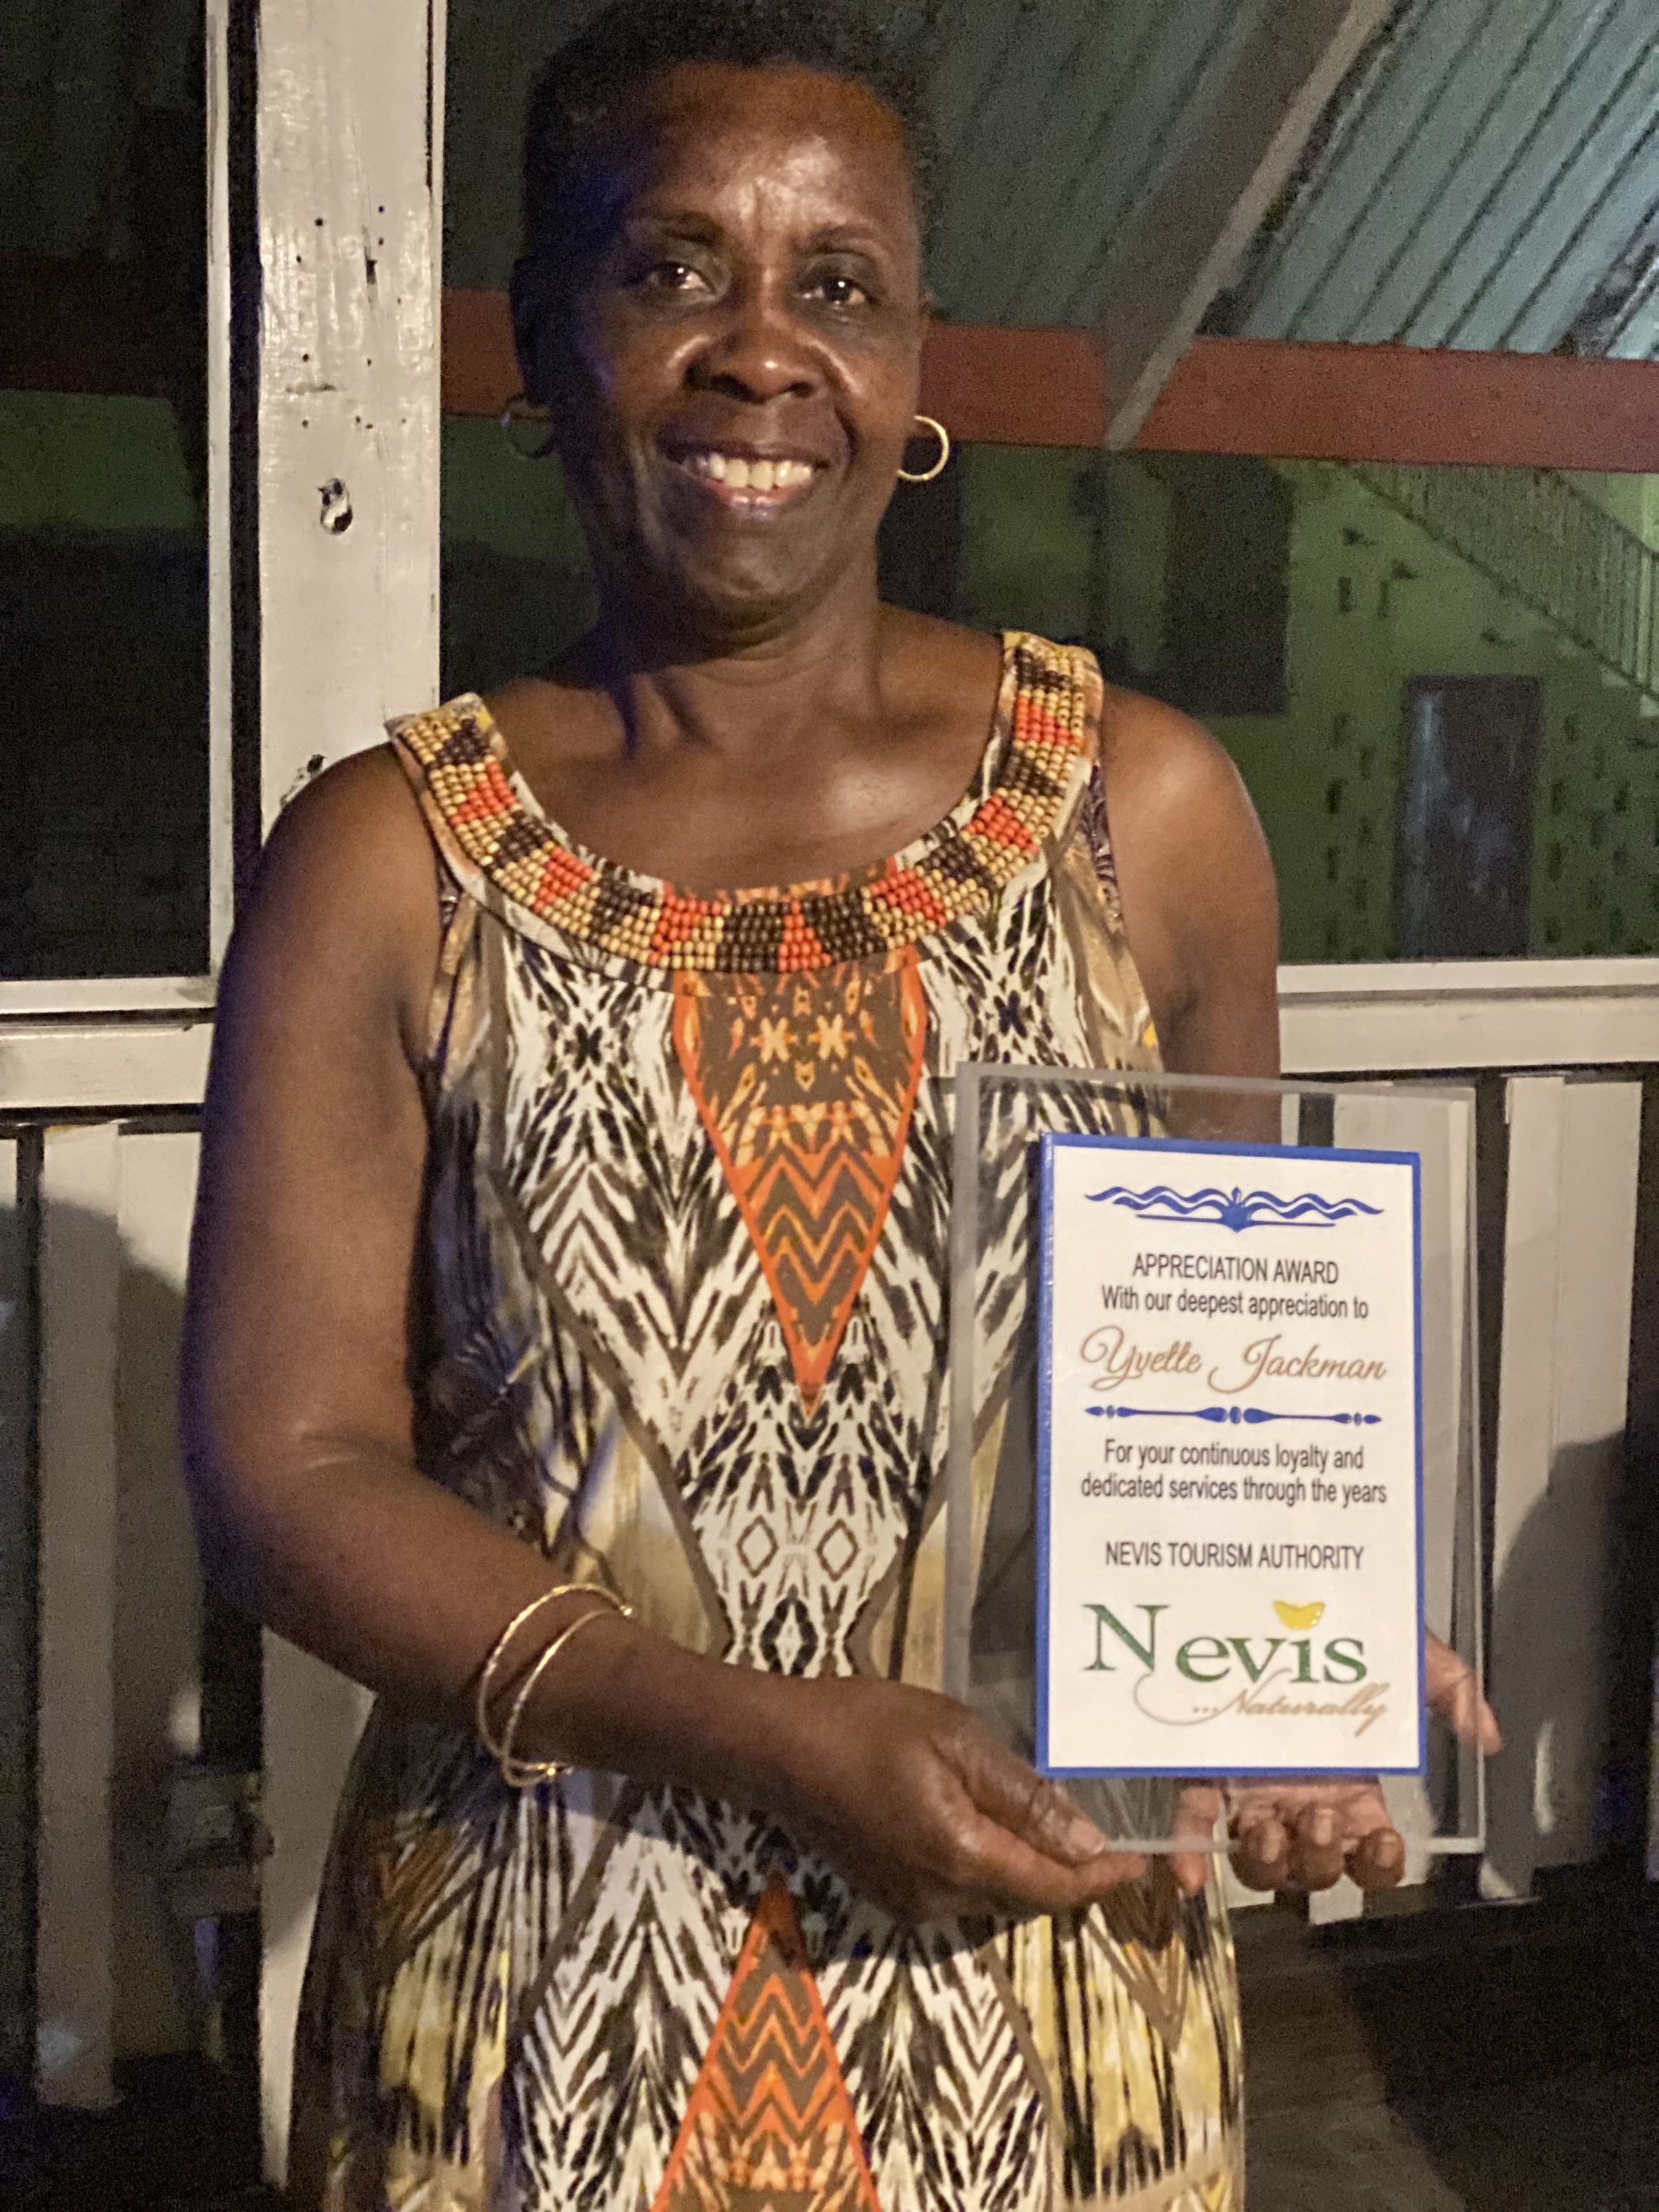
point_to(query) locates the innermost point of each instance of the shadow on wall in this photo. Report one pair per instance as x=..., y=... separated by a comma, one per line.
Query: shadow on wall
x=1551, y=1650
x=167, y=2003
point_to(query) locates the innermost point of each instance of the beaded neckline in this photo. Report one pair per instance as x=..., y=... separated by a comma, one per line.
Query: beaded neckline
x=1043, y=730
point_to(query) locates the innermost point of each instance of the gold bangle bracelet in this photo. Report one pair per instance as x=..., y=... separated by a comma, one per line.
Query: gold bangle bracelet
x=522, y=1774
x=490, y=1671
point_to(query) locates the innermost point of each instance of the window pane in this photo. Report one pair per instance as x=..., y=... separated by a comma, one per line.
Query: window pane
x=104, y=838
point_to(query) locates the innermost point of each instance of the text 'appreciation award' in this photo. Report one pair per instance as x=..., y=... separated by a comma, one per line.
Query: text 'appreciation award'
x=1228, y=1459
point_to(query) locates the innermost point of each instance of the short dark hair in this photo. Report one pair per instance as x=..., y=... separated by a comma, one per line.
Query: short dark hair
x=583, y=85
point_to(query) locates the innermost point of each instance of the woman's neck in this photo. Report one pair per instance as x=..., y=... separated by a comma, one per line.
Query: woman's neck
x=809, y=678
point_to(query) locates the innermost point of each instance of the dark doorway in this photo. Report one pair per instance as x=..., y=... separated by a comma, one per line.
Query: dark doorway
x=1226, y=584
x=1464, y=877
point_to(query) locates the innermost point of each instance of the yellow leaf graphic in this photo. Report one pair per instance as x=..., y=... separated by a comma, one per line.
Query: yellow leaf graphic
x=1299, y=1616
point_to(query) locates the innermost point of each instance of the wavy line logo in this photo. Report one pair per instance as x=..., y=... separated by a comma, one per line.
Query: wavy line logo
x=1235, y=1210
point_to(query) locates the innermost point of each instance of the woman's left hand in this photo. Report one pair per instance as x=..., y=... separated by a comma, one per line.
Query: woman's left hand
x=1307, y=1834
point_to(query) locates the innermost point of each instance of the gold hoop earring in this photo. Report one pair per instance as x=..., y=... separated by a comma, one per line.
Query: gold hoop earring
x=521, y=410
x=927, y=476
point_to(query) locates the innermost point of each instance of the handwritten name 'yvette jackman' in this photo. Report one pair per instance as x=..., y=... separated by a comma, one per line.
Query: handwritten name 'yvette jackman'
x=1116, y=1358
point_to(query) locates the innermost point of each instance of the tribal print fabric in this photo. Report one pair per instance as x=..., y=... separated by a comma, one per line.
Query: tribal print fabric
x=684, y=1272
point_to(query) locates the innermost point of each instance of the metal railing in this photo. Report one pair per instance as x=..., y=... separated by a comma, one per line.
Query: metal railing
x=1535, y=535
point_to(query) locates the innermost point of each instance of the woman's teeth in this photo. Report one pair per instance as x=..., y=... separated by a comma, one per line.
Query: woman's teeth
x=739, y=475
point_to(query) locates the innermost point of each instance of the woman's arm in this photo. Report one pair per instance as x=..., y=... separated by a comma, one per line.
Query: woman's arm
x=311, y=1512
x=1200, y=906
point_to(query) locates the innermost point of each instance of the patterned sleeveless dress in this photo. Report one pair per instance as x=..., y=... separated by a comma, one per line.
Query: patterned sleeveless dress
x=684, y=1270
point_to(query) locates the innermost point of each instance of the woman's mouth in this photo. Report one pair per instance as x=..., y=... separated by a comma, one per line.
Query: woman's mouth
x=750, y=484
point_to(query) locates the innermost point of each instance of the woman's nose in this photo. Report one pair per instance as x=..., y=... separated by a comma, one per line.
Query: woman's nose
x=762, y=353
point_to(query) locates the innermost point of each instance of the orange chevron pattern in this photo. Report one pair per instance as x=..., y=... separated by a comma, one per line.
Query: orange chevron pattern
x=806, y=1084
x=769, y=2127
x=954, y=871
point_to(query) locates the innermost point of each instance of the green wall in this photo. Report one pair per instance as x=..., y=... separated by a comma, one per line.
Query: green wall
x=1074, y=546
x=1374, y=602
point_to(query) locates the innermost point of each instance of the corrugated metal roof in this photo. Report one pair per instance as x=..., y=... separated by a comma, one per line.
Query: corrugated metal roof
x=1058, y=123
x=1493, y=162
x=1490, y=178
x=1058, y=117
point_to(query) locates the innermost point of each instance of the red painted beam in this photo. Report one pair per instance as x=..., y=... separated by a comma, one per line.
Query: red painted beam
x=994, y=386
x=481, y=373
x=1000, y=386
x=1408, y=404
x=1284, y=401
x=89, y=326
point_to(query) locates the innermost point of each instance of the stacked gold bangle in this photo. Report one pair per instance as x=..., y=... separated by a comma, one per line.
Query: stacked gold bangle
x=521, y=1773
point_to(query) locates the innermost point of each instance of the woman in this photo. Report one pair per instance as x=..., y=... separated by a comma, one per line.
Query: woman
x=570, y=1241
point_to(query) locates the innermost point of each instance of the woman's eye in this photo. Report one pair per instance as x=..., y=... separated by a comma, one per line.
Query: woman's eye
x=839, y=291
x=673, y=276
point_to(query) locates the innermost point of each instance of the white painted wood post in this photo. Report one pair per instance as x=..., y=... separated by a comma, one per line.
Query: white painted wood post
x=350, y=156
x=80, y=1273
x=158, y=1594
x=350, y=206
x=17, y=1596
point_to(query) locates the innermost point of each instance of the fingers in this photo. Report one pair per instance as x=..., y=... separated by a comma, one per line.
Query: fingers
x=1039, y=1813
x=1261, y=1854
x=1023, y=1843
x=1317, y=1854
x=1454, y=1693
x=1195, y=1821
x=1378, y=1861
x=1008, y=1876
x=1314, y=1846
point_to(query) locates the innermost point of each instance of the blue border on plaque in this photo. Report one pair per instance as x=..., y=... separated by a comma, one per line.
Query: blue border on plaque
x=1051, y=1142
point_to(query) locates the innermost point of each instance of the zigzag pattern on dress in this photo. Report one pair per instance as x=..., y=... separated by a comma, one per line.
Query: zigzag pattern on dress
x=806, y=1085
x=952, y=2104
x=625, y=2002
x=769, y=2127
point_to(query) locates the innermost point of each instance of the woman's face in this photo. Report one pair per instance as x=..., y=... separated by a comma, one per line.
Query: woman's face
x=738, y=376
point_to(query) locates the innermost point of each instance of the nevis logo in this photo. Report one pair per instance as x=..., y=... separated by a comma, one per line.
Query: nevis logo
x=1266, y=1676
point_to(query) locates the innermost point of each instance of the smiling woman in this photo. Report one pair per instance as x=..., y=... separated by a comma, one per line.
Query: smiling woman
x=569, y=1316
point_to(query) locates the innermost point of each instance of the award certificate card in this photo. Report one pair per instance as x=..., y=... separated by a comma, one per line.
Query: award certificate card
x=1229, y=1460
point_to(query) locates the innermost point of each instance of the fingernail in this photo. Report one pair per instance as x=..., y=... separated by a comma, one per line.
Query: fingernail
x=1083, y=1839
x=1322, y=1828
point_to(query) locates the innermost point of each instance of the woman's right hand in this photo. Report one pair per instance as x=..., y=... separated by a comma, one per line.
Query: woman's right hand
x=923, y=1810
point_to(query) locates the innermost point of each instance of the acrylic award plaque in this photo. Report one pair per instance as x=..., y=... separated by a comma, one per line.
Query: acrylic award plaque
x=1213, y=1526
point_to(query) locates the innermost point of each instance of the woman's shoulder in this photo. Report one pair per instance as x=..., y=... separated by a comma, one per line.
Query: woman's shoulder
x=1152, y=753
x=359, y=811
x=345, y=887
